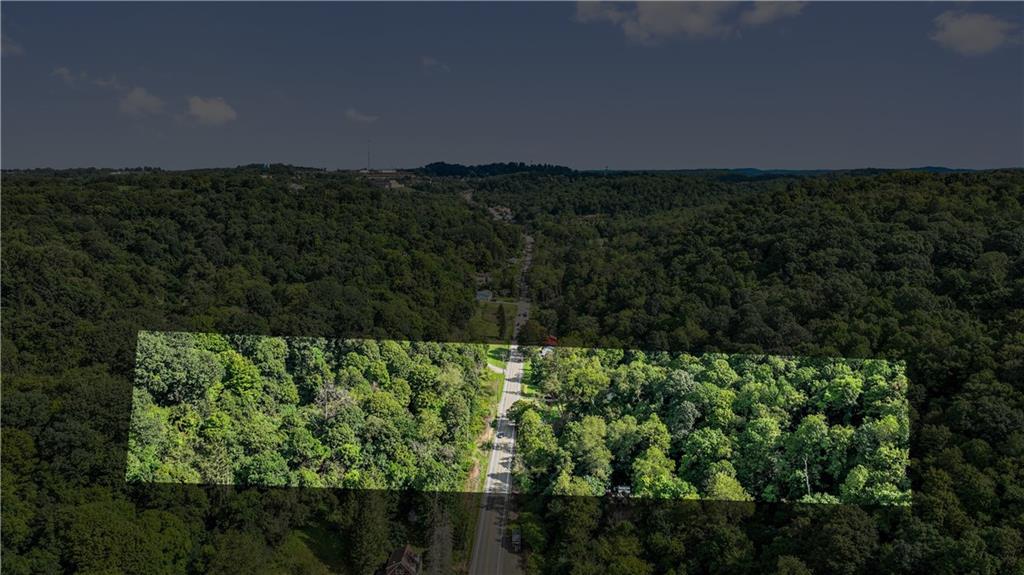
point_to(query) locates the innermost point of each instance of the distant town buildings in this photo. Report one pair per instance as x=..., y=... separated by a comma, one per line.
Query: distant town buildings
x=387, y=179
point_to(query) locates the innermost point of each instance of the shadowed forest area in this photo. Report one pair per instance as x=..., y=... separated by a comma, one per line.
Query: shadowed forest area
x=918, y=269
x=921, y=268
x=91, y=258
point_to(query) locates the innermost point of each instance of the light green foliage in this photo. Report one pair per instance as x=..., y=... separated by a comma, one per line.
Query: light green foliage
x=536, y=447
x=703, y=448
x=653, y=476
x=735, y=428
x=303, y=411
x=724, y=487
x=173, y=370
x=584, y=383
x=585, y=441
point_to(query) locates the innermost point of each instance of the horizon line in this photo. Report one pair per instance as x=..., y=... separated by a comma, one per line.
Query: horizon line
x=607, y=169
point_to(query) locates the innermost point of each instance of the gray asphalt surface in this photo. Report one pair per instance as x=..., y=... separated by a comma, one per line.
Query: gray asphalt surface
x=492, y=553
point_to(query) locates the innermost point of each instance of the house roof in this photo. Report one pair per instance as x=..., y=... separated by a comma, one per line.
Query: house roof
x=404, y=558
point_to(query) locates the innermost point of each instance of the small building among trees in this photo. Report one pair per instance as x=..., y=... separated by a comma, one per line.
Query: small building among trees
x=403, y=561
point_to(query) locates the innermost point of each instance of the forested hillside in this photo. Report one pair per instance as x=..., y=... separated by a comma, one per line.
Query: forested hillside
x=728, y=428
x=91, y=258
x=922, y=268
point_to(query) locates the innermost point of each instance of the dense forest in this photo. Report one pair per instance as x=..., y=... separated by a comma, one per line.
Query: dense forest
x=305, y=412
x=921, y=269
x=91, y=258
x=732, y=428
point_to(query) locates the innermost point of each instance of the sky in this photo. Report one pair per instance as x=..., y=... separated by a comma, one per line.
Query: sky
x=792, y=85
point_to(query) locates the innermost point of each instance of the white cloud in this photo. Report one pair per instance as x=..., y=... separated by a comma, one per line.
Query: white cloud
x=9, y=47
x=64, y=73
x=70, y=78
x=139, y=102
x=971, y=33
x=767, y=12
x=359, y=117
x=210, y=111
x=431, y=64
x=599, y=11
x=136, y=101
x=656, y=20
x=648, y=22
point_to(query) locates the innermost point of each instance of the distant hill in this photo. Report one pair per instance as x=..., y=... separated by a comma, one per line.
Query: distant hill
x=496, y=169
x=860, y=171
x=754, y=174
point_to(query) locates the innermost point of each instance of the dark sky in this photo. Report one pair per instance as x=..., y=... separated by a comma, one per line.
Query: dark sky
x=818, y=85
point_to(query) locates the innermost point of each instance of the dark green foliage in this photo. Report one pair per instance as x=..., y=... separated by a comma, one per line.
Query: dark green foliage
x=919, y=268
x=924, y=269
x=91, y=258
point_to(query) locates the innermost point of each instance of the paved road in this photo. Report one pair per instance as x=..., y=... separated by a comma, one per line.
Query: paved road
x=491, y=553
x=491, y=545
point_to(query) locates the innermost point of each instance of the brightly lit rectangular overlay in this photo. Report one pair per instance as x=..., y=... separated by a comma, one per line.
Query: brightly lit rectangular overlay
x=382, y=414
